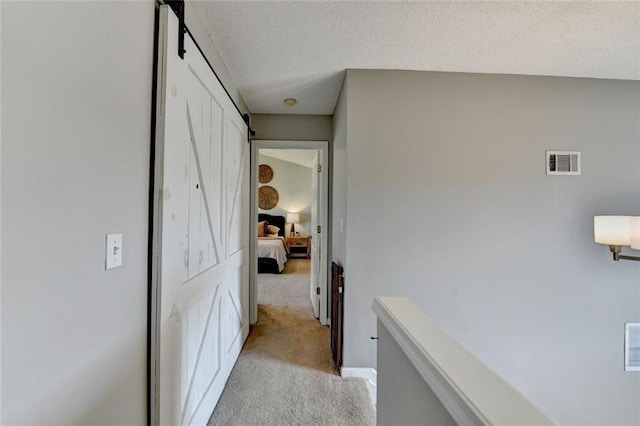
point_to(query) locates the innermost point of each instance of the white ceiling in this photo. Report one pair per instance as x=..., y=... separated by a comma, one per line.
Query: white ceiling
x=279, y=49
x=302, y=157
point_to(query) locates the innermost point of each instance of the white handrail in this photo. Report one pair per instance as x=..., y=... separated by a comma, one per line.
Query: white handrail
x=469, y=390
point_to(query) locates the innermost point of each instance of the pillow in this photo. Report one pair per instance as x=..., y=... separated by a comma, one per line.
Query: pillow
x=272, y=229
x=261, y=227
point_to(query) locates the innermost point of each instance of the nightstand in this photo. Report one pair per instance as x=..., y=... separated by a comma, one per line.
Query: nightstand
x=299, y=246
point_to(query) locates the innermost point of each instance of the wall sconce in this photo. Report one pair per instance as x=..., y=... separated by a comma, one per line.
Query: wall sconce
x=618, y=232
x=293, y=218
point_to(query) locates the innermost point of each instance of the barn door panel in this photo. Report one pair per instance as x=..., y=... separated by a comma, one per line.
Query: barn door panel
x=201, y=291
x=236, y=157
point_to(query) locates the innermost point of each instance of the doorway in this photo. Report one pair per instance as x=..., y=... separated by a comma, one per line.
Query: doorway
x=309, y=221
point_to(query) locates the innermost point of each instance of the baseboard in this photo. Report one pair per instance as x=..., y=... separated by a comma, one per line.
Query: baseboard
x=369, y=374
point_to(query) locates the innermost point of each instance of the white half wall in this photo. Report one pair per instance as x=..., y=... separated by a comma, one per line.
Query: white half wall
x=76, y=103
x=448, y=205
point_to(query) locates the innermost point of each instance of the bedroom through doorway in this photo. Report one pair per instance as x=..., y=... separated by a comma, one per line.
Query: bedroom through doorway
x=285, y=198
x=290, y=213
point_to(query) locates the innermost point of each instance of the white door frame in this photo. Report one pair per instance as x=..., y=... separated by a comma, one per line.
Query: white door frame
x=323, y=146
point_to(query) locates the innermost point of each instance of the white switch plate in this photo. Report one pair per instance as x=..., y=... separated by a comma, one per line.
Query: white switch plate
x=113, y=252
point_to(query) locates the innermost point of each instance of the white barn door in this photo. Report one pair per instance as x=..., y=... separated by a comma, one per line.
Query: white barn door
x=201, y=274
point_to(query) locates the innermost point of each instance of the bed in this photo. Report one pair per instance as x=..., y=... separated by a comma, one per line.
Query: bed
x=272, y=251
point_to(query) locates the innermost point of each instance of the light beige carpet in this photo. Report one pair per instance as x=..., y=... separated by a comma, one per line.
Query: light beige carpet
x=285, y=375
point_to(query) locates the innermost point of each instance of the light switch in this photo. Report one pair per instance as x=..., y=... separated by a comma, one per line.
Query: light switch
x=113, y=254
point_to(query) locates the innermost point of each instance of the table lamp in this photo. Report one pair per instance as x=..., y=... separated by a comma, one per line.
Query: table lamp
x=293, y=218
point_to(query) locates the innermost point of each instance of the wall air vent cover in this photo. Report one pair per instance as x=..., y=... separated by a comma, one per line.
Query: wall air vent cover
x=632, y=346
x=563, y=163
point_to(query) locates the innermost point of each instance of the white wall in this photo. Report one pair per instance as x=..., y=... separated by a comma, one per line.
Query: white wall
x=448, y=205
x=293, y=183
x=76, y=102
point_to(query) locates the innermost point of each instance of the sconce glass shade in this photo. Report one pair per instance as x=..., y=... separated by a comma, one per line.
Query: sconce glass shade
x=635, y=232
x=293, y=217
x=612, y=230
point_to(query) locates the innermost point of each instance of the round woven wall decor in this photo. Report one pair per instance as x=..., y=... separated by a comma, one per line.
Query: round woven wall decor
x=265, y=173
x=267, y=197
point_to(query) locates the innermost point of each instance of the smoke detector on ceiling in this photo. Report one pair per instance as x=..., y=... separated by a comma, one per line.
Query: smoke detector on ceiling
x=290, y=101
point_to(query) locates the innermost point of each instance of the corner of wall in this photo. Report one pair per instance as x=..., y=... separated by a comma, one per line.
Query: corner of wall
x=1, y=321
x=370, y=375
x=339, y=180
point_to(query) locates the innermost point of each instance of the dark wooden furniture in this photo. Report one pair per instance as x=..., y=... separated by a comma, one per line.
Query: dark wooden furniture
x=337, y=312
x=299, y=246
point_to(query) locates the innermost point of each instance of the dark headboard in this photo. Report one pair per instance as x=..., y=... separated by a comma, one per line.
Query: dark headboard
x=278, y=221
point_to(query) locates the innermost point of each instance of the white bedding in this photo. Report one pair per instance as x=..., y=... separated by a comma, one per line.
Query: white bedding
x=274, y=248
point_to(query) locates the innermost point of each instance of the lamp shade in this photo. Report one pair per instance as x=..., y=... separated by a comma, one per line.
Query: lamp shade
x=612, y=230
x=635, y=232
x=293, y=217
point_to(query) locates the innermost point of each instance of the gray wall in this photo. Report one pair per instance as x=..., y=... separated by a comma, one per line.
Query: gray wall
x=293, y=183
x=339, y=193
x=292, y=127
x=76, y=103
x=448, y=205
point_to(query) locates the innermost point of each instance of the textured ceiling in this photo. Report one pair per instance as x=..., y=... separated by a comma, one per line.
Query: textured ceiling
x=276, y=49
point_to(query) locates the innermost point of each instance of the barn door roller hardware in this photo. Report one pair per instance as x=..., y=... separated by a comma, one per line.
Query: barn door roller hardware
x=178, y=8
x=251, y=133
